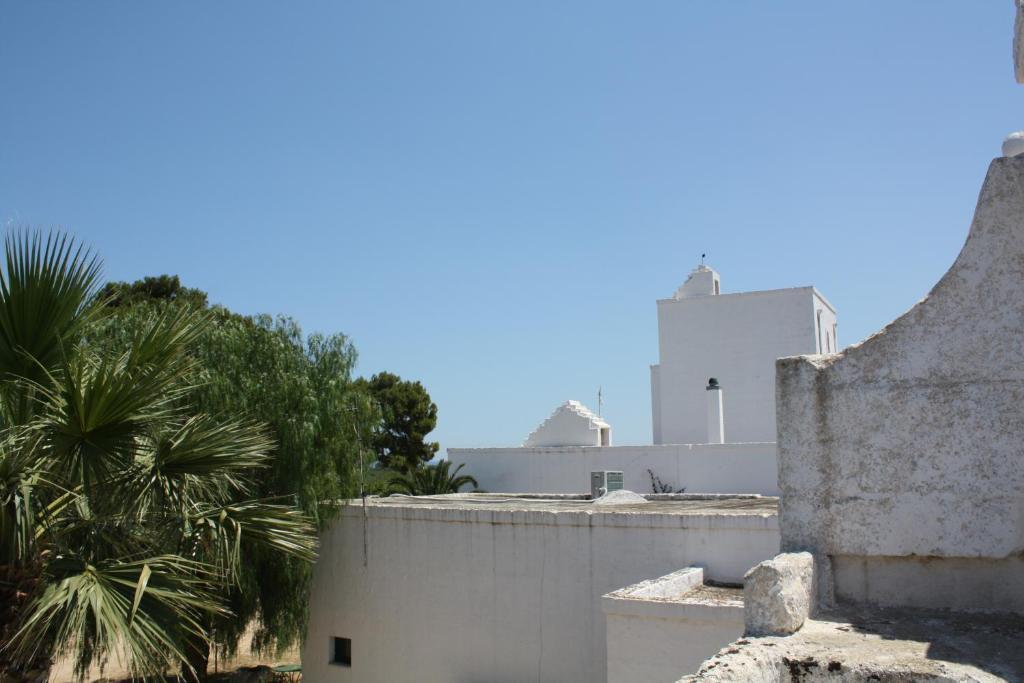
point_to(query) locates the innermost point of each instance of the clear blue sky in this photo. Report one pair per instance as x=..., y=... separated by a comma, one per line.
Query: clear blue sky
x=490, y=197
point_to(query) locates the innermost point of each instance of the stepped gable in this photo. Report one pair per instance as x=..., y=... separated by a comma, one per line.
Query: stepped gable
x=571, y=424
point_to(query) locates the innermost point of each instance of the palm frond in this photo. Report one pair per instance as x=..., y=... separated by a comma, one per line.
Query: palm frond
x=149, y=607
x=20, y=475
x=431, y=480
x=220, y=531
x=130, y=513
x=198, y=460
x=46, y=300
x=96, y=410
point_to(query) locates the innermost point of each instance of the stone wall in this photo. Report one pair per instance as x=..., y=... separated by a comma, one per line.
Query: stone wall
x=903, y=458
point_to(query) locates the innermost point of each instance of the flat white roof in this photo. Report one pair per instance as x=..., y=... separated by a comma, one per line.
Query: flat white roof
x=683, y=505
x=760, y=292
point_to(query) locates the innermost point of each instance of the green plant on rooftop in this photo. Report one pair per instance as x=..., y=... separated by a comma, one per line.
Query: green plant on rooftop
x=658, y=486
x=431, y=480
x=126, y=516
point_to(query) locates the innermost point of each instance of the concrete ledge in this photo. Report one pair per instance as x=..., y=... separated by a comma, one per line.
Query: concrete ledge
x=669, y=587
x=669, y=598
x=657, y=628
x=757, y=514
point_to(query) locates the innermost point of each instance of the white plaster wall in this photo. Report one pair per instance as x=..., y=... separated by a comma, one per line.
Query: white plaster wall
x=485, y=596
x=909, y=448
x=657, y=639
x=700, y=468
x=825, y=321
x=735, y=338
x=656, y=403
x=660, y=650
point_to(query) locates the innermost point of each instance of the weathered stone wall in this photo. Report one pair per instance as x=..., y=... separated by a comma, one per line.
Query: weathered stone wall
x=907, y=450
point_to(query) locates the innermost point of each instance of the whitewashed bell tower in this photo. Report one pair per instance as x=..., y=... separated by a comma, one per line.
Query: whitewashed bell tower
x=735, y=339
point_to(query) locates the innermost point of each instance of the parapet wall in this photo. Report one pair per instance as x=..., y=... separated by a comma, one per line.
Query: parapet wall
x=901, y=460
x=698, y=468
x=505, y=589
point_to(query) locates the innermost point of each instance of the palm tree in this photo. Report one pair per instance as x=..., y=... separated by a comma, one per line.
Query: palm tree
x=431, y=480
x=123, y=516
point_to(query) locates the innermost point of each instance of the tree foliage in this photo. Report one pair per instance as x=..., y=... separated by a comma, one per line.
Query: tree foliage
x=149, y=289
x=407, y=417
x=127, y=517
x=301, y=388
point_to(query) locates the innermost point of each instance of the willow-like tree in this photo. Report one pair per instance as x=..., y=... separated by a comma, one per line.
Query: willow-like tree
x=127, y=516
x=301, y=388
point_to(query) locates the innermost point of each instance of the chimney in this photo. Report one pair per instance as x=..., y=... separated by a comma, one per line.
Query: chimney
x=716, y=418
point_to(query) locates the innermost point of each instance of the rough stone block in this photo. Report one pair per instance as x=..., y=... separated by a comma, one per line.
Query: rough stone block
x=778, y=594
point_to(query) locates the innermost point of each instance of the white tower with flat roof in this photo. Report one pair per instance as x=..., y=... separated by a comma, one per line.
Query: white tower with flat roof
x=734, y=338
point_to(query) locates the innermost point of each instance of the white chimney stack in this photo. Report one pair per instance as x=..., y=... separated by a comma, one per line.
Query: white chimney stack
x=716, y=418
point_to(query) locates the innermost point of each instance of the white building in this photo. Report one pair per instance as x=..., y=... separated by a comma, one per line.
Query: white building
x=483, y=588
x=708, y=437
x=560, y=588
x=734, y=338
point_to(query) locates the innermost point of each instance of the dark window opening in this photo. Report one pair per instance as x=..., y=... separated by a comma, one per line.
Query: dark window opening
x=341, y=651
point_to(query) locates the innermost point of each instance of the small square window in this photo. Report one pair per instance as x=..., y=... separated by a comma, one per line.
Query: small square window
x=341, y=651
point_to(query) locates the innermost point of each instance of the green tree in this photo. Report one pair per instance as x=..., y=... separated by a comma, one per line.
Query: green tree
x=431, y=480
x=407, y=417
x=160, y=288
x=301, y=388
x=126, y=517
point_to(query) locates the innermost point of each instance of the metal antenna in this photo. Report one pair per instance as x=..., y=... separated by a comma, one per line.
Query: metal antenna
x=600, y=400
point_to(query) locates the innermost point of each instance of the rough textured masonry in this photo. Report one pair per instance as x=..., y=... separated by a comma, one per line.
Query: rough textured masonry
x=901, y=460
x=859, y=645
x=778, y=595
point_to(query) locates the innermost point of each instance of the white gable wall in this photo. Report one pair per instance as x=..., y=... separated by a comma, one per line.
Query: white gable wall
x=572, y=424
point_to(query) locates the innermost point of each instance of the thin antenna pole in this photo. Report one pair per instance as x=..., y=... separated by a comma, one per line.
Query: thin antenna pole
x=599, y=401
